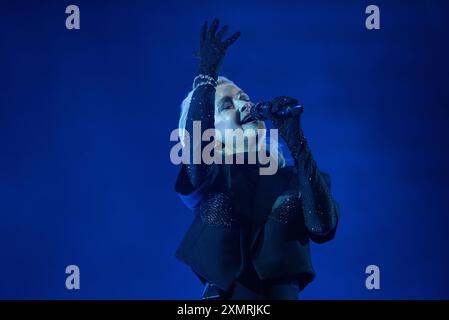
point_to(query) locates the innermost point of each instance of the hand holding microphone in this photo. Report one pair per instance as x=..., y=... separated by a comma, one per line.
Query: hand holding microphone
x=284, y=113
x=280, y=107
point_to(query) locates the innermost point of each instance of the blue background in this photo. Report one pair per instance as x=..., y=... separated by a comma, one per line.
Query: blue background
x=85, y=118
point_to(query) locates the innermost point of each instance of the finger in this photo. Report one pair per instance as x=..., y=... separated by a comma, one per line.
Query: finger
x=232, y=39
x=213, y=28
x=222, y=32
x=284, y=101
x=203, y=32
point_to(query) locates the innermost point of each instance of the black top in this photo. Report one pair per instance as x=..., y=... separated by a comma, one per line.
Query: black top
x=241, y=216
x=246, y=227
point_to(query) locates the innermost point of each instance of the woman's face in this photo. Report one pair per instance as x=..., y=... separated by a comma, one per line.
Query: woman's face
x=232, y=111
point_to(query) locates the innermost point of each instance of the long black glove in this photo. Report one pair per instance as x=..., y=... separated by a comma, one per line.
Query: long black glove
x=202, y=107
x=319, y=209
x=212, y=49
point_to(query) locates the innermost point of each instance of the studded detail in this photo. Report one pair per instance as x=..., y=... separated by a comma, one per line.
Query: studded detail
x=216, y=210
x=320, y=214
x=285, y=208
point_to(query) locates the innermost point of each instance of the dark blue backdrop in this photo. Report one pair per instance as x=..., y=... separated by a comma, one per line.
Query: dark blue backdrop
x=85, y=118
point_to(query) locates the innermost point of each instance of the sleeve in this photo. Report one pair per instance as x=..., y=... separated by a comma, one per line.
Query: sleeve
x=191, y=196
x=202, y=110
x=320, y=210
x=322, y=215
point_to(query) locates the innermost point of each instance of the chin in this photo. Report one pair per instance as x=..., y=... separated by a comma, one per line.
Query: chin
x=254, y=125
x=250, y=129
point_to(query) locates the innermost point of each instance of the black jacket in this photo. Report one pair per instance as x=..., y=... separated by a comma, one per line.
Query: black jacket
x=219, y=242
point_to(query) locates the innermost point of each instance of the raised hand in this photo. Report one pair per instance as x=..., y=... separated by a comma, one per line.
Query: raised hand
x=213, y=48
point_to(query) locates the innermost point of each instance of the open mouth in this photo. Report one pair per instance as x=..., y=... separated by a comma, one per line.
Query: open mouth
x=247, y=119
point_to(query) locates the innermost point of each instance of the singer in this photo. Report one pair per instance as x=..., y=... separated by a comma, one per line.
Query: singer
x=250, y=234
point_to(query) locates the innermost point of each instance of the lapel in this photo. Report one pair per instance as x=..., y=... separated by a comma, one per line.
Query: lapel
x=268, y=189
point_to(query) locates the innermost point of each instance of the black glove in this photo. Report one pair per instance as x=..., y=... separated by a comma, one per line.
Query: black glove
x=212, y=48
x=289, y=128
x=279, y=103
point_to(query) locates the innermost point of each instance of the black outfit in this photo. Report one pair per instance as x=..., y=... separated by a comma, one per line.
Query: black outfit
x=250, y=235
x=252, y=230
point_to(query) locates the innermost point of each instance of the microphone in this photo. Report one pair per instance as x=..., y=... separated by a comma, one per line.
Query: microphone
x=261, y=111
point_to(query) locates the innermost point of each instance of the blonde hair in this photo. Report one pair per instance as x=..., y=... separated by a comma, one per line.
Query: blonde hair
x=185, y=105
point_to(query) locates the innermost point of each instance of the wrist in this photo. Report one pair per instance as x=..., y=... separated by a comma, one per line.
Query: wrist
x=208, y=71
x=204, y=80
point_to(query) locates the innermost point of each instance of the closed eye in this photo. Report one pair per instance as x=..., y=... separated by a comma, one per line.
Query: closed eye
x=227, y=104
